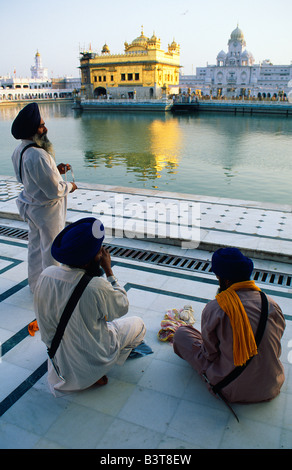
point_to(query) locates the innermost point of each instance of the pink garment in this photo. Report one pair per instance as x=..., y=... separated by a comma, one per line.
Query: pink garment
x=211, y=352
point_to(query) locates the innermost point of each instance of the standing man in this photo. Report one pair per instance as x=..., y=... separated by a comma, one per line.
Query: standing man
x=43, y=201
x=95, y=337
x=229, y=328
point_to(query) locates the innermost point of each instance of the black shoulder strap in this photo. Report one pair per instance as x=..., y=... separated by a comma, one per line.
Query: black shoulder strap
x=258, y=337
x=67, y=313
x=33, y=144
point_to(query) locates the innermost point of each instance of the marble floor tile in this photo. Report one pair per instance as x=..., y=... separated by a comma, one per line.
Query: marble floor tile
x=150, y=409
x=198, y=424
x=250, y=434
x=15, y=437
x=122, y=435
x=105, y=399
x=36, y=412
x=79, y=427
x=11, y=377
x=15, y=317
x=158, y=378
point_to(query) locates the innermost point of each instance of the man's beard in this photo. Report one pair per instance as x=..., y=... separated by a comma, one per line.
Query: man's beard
x=222, y=285
x=94, y=269
x=43, y=142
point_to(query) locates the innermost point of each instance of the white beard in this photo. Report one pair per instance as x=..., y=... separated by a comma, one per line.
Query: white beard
x=43, y=142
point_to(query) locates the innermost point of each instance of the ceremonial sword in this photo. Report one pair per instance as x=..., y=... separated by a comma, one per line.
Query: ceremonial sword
x=219, y=395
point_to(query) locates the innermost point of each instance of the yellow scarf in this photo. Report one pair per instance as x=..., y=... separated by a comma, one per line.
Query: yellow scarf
x=244, y=345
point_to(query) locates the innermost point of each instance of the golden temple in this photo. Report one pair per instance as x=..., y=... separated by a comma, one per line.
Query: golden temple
x=143, y=71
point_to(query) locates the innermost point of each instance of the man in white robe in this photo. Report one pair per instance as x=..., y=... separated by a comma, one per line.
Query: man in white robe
x=43, y=200
x=96, y=337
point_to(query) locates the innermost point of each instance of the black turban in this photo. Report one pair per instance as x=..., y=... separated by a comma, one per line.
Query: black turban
x=26, y=122
x=231, y=264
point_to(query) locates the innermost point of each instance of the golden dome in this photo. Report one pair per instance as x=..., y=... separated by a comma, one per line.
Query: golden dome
x=140, y=41
x=105, y=49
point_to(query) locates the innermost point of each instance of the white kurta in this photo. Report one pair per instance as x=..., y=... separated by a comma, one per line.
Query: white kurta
x=42, y=203
x=95, y=337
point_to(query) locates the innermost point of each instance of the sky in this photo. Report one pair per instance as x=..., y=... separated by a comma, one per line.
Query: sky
x=59, y=29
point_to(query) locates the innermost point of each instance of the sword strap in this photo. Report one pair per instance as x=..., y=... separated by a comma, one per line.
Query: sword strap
x=67, y=314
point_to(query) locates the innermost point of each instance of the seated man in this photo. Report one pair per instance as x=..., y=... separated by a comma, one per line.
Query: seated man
x=227, y=340
x=95, y=338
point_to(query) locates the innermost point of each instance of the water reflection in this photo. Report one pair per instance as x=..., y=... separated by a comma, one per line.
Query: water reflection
x=165, y=142
x=155, y=141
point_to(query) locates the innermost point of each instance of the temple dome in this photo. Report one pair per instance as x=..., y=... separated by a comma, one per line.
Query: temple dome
x=237, y=34
x=221, y=55
x=153, y=38
x=105, y=49
x=140, y=40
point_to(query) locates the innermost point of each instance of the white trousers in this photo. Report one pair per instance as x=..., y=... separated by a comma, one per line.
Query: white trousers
x=130, y=332
x=44, y=223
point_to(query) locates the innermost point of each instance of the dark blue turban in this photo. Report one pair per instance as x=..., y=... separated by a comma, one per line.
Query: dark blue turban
x=230, y=264
x=26, y=122
x=79, y=242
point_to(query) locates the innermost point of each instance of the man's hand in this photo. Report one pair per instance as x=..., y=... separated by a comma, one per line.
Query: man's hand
x=63, y=168
x=74, y=187
x=105, y=262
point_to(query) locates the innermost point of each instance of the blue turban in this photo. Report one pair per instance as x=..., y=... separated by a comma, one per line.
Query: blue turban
x=79, y=242
x=26, y=122
x=231, y=264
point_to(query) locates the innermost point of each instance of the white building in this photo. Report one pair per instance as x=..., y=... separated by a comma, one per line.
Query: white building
x=37, y=70
x=39, y=86
x=235, y=74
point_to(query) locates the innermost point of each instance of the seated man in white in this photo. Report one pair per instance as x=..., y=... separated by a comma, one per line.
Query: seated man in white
x=95, y=337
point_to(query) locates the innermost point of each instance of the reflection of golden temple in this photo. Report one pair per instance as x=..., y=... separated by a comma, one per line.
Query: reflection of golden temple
x=165, y=142
x=143, y=71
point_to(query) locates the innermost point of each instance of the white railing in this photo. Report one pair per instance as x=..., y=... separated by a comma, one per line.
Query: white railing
x=126, y=101
x=247, y=102
x=252, y=102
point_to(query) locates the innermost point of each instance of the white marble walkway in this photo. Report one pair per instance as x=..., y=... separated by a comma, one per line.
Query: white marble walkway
x=158, y=401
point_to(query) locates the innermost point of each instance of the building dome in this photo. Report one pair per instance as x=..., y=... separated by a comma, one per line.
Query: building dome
x=237, y=35
x=221, y=55
x=153, y=42
x=105, y=49
x=138, y=44
x=140, y=41
x=173, y=47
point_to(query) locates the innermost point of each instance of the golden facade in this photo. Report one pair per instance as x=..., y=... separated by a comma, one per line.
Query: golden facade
x=143, y=71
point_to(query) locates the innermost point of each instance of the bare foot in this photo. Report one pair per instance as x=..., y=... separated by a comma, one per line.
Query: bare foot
x=102, y=381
